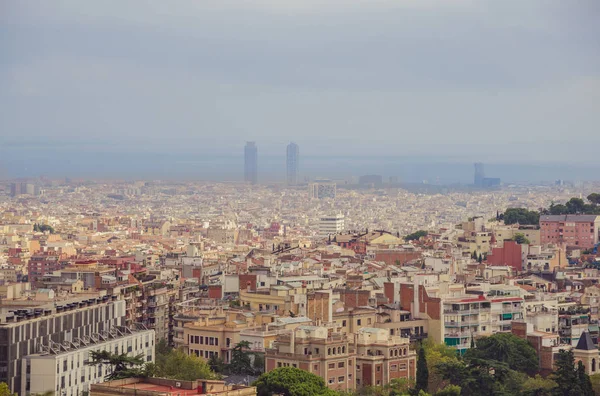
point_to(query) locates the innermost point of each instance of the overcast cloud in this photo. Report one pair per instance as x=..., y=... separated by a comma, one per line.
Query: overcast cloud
x=471, y=79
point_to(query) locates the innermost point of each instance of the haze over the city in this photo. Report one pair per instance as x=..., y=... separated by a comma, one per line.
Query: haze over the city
x=175, y=89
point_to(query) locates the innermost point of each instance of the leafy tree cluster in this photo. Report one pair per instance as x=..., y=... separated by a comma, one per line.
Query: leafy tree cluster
x=520, y=216
x=504, y=364
x=524, y=216
x=43, y=228
x=415, y=235
x=521, y=239
x=4, y=389
x=576, y=206
x=571, y=380
x=290, y=381
x=242, y=361
x=122, y=365
x=176, y=364
x=170, y=363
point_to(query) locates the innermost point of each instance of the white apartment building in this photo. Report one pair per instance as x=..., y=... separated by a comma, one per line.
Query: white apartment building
x=331, y=225
x=63, y=369
x=470, y=317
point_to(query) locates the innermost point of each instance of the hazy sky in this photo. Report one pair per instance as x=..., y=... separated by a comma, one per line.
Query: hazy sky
x=471, y=79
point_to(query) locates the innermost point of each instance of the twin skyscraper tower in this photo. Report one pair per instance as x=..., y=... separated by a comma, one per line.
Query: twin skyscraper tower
x=251, y=163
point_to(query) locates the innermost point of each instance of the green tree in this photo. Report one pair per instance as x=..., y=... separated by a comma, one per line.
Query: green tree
x=216, y=364
x=521, y=216
x=594, y=198
x=397, y=386
x=521, y=239
x=259, y=363
x=595, y=380
x=123, y=365
x=291, y=381
x=415, y=235
x=181, y=366
x=450, y=390
x=575, y=205
x=566, y=376
x=240, y=359
x=559, y=209
x=538, y=386
x=584, y=380
x=436, y=354
x=422, y=371
x=517, y=353
x=4, y=390
x=480, y=258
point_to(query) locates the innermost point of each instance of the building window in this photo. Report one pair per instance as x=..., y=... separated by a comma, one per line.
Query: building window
x=331, y=380
x=368, y=320
x=358, y=322
x=340, y=379
x=331, y=365
x=316, y=367
x=378, y=370
x=278, y=364
x=358, y=367
x=402, y=366
x=216, y=341
x=394, y=367
x=343, y=323
x=341, y=365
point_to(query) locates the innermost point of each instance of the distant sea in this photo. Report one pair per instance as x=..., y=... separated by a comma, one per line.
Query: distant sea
x=57, y=162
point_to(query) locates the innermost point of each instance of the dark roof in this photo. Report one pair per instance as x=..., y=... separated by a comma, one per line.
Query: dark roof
x=585, y=342
x=572, y=218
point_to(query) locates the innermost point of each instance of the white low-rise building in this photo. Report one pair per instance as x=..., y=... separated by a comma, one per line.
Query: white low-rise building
x=64, y=370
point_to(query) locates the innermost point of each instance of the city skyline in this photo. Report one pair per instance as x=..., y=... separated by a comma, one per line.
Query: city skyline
x=314, y=82
x=439, y=233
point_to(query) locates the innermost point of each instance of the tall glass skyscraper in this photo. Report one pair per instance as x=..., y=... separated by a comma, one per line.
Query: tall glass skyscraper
x=479, y=174
x=251, y=162
x=293, y=156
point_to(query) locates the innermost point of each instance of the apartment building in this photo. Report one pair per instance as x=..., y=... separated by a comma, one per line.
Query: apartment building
x=331, y=225
x=43, y=264
x=280, y=299
x=23, y=332
x=63, y=368
x=350, y=321
x=381, y=357
x=504, y=233
x=572, y=230
x=159, y=308
x=218, y=334
x=318, y=350
x=572, y=323
x=464, y=319
x=398, y=322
